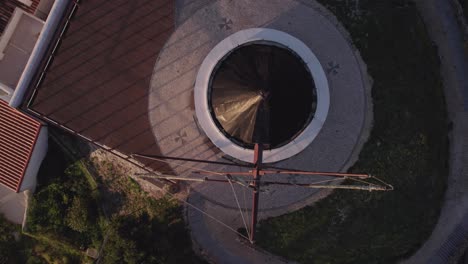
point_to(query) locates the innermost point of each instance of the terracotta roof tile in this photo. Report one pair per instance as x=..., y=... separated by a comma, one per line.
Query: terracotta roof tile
x=18, y=134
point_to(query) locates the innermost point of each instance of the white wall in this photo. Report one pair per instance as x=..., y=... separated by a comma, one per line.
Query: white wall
x=43, y=9
x=38, y=154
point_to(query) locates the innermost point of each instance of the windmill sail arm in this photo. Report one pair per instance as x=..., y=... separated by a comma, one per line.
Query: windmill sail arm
x=368, y=187
x=289, y=172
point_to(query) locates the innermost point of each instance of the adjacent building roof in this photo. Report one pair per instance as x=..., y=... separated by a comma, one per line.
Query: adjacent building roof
x=7, y=7
x=97, y=83
x=18, y=135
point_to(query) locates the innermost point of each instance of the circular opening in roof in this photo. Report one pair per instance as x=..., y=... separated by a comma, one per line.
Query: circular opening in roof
x=261, y=92
x=220, y=70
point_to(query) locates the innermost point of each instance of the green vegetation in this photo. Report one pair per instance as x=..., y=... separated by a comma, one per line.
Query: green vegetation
x=17, y=247
x=63, y=214
x=72, y=211
x=156, y=235
x=142, y=229
x=408, y=147
x=9, y=245
x=66, y=207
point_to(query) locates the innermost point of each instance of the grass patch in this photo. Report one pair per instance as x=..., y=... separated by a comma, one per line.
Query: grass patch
x=408, y=147
x=18, y=247
x=142, y=229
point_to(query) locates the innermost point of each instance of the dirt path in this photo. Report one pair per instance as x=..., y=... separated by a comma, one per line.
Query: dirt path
x=451, y=232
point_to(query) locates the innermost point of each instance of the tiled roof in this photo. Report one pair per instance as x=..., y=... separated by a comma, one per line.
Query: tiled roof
x=97, y=84
x=18, y=134
x=8, y=6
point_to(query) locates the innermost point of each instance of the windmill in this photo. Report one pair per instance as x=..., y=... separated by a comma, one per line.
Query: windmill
x=251, y=106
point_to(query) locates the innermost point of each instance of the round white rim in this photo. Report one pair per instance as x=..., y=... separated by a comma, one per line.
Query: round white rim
x=224, y=47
